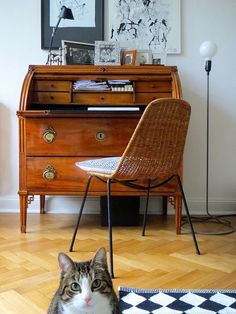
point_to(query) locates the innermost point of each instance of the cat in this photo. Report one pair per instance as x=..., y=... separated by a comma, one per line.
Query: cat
x=85, y=287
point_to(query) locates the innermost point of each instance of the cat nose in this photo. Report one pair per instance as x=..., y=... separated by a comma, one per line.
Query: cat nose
x=87, y=299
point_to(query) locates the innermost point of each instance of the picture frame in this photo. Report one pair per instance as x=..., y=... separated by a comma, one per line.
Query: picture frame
x=159, y=58
x=79, y=34
x=129, y=57
x=107, y=53
x=77, y=52
x=143, y=57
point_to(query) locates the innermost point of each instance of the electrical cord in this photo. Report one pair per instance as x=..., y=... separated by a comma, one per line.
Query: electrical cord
x=209, y=218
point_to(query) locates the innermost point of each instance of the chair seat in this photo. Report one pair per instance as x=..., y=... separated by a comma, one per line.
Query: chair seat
x=101, y=165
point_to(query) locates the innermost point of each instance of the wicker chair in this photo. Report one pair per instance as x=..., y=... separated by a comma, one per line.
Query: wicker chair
x=151, y=158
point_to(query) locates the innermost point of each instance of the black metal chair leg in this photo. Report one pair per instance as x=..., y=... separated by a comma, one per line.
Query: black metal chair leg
x=146, y=209
x=188, y=215
x=109, y=216
x=164, y=205
x=80, y=213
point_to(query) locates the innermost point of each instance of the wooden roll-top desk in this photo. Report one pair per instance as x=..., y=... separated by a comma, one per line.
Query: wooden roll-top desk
x=58, y=127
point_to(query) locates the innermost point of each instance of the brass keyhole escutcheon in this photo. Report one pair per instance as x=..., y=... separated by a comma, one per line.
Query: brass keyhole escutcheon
x=49, y=173
x=100, y=136
x=49, y=135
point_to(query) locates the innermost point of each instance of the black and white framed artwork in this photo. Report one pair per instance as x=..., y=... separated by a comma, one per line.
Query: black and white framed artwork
x=152, y=25
x=87, y=26
x=77, y=52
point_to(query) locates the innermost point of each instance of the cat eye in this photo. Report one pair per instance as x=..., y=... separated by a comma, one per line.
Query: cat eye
x=96, y=283
x=75, y=286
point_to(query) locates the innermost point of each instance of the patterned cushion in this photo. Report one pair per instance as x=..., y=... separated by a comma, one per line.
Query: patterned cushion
x=102, y=165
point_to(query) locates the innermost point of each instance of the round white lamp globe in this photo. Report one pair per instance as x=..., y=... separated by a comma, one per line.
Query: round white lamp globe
x=208, y=49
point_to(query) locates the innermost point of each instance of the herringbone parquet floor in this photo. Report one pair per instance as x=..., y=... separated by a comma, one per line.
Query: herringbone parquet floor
x=29, y=271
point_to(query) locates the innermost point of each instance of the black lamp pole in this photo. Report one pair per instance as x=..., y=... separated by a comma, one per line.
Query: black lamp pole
x=65, y=13
x=208, y=69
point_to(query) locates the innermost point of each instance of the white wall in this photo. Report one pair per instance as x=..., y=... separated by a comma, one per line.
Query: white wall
x=20, y=33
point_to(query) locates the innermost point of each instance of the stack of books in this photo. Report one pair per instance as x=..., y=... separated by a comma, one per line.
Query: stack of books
x=102, y=85
x=121, y=85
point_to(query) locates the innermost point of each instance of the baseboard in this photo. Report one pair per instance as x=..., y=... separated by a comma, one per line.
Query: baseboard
x=70, y=205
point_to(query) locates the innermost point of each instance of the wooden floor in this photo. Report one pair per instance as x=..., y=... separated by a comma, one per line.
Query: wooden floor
x=29, y=273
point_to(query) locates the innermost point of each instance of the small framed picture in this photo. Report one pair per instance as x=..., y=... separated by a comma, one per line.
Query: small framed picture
x=107, y=53
x=129, y=57
x=77, y=52
x=159, y=58
x=143, y=57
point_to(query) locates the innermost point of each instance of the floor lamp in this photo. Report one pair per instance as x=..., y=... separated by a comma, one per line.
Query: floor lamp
x=208, y=50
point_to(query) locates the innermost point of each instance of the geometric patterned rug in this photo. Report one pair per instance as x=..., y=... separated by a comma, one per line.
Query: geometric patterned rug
x=141, y=301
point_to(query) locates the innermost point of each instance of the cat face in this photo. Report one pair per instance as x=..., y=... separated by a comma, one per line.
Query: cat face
x=86, y=286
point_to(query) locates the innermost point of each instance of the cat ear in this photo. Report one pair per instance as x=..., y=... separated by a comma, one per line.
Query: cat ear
x=65, y=262
x=100, y=257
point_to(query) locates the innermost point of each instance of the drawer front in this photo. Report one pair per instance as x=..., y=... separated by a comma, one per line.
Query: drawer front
x=54, y=174
x=145, y=98
x=59, y=174
x=111, y=98
x=153, y=86
x=78, y=136
x=51, y=98
x=51, y=86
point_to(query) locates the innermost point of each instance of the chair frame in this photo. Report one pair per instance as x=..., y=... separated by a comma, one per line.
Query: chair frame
x=109, y=211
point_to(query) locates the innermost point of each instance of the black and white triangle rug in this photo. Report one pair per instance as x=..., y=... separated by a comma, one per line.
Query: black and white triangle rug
x=141, y=301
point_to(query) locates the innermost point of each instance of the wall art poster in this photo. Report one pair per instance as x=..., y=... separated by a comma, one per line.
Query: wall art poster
x=151, y=24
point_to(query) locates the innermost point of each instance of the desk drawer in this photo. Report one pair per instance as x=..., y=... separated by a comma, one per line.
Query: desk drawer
x=54, y=174
x=78, y=136
x=147, y=97
x=103, y=98
x=153, y=86
x=51, y=85
x=51, y=98
x=59, y=174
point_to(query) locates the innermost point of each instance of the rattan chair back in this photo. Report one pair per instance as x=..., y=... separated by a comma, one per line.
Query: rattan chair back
x=156, y=147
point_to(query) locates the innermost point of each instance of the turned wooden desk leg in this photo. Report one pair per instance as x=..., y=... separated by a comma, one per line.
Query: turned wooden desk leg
x=164, y=205
x=23, y=212
x=42, y=204
x=178, y=213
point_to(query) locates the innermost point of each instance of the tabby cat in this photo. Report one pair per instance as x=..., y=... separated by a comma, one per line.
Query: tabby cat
x=85, y=287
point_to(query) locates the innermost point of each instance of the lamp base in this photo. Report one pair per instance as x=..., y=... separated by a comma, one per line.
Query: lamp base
x=225, y=226
x=54, y=58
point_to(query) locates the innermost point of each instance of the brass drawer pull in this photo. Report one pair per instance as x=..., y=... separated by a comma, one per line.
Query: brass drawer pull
x=49, y=173
x=100, y=136
x=49, y=135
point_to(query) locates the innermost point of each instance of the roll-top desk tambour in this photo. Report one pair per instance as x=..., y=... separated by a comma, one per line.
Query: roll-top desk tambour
x=56, y=129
